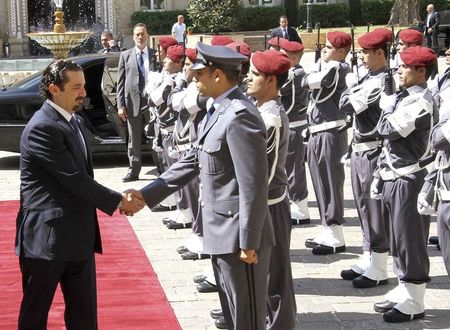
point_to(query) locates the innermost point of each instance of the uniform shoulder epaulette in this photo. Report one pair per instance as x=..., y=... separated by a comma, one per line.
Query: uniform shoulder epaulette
x=238, y=106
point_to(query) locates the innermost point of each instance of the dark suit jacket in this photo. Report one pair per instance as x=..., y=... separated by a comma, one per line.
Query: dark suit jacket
x=231, y=159
x=59, y=196
x=292, y=34
x=434, y=21
x=128, y=95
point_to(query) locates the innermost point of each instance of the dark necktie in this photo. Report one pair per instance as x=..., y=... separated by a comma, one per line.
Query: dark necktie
x=285, y=35
x=209, y=114
x=141, y=67
x=78, y=138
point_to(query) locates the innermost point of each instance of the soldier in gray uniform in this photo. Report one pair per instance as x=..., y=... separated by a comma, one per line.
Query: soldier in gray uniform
x=362, y=101
x=295, y=101
x=191, y=109
x=268, y=72
x=405, y=125
x=230, y=158
x=326, y=145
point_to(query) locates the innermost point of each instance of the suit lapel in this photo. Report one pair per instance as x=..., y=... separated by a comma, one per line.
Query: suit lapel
x=214, y=117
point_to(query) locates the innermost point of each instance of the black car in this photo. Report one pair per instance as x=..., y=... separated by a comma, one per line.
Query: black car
x=106, y=132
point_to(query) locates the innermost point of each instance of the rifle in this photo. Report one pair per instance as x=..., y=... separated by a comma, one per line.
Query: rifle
x=394, y=43
x=278, y=41
x=389, y=79
x=183, y=58
x=318, y=45
x=354, y=65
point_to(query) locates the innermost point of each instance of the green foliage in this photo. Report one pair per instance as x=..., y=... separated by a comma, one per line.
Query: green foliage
x=331, y=15
x=159, y=22
x=259, y=18
x=214, y=16
x=376, y=11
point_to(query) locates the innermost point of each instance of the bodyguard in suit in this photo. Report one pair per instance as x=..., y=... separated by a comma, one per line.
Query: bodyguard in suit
x=133, y=71
x=285, y=31
x=362, y=101
x=405, y=125
x=57, y=228
x=230, y=158
x=268, y=72
x=432, y=28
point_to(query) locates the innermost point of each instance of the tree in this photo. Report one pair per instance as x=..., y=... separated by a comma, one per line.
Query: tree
x=214, y=16
x=291, y=11
x=405, y=12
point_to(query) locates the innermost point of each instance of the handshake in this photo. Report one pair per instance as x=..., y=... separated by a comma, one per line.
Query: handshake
x=132, y=202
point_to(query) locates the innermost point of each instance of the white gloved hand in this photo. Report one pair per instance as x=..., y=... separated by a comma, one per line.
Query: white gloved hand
x=351, y=79
x=375, y=191
x=423, y=207
x=387, y=100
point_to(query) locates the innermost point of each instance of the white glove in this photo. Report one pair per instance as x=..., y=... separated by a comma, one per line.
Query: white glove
x=351, y=79
x=423, y=207
x=375, y=191
x=387, y=100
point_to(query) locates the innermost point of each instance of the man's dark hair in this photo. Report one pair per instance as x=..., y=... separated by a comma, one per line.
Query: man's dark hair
x=56, y=73
x=281, y=79
x=141, y=25
x=283, y=16
x=108, y=34
x=231, y=75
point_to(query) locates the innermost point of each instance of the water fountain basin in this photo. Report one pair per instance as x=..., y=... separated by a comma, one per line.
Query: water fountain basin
x=60, y=43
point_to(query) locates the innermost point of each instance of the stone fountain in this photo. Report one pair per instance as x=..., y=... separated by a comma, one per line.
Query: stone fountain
x=60, y=42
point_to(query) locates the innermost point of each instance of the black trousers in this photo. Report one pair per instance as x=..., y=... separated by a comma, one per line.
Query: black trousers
x=40, y=279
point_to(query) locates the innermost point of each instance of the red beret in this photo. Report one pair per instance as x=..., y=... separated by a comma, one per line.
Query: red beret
x=275, y=41
x=375, y=39
x=411, y=36
x=418, y=56
x=166, y=42
x=339, y=39
x=244, y=48
x=175, y=53
x=191, y=54
x=292, y=46
x=220, y=40
x=271, y=62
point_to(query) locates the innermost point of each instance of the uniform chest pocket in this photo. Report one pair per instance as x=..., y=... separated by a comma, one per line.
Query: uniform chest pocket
x=213, y=157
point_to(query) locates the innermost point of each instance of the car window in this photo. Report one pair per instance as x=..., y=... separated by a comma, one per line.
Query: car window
x=29, y=81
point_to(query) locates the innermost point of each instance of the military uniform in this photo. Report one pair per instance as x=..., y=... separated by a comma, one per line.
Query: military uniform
x=363, y=103
x=405, y=126
x=326, y=147
x=230, y=158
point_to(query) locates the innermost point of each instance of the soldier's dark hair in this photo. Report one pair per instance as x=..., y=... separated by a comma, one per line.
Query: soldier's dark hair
x=140, y=25
x=56, y=73
x=281, y=79
x=231, y=75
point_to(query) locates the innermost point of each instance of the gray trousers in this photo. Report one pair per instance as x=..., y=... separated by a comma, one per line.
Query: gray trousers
x=243, y=289
x=409, y=229
x=325, y=150
x=374, y=223
x=135, y=130
x=295, y=165
x=281, y=306
x=443, y=226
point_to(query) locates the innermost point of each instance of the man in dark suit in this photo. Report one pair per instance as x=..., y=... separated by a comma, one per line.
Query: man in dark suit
x=57, y=228
x=432, y=28
x=229, y=156
x=285, y=31
x=135, y=65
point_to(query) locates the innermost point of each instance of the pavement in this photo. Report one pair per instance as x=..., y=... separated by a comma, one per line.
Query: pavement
x=324, y=300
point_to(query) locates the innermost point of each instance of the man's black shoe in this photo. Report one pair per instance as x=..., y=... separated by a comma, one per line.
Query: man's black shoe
x=296, y=222
x=395, y=316
x=130, y=177
x=349, y=274
x=310, y=243
x=220, y=323
x=205, y=286
x=383, y=306
x=321, y=250
x=364, y=282
x=165, y=221
x=433, y=240
x=162, y=208
x=216, y=313
x=199, y=278
x=182, y=249
x=189, y=255
x=178, y=225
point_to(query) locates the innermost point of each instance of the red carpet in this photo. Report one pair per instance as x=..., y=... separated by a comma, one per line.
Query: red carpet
x=129, y=294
